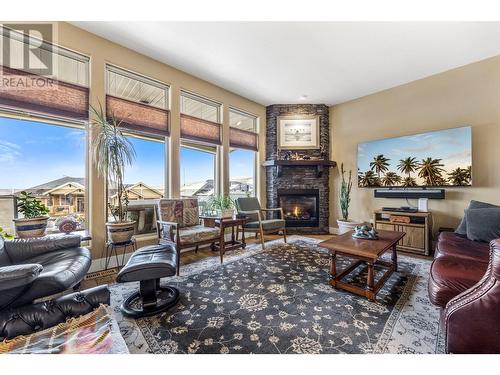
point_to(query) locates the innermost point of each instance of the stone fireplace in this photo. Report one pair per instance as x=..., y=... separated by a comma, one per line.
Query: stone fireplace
x=300, y=187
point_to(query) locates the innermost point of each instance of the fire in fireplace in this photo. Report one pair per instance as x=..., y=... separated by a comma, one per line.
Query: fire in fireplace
x=300, y=207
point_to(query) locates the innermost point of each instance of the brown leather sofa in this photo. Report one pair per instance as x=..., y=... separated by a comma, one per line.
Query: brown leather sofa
x=465, y=282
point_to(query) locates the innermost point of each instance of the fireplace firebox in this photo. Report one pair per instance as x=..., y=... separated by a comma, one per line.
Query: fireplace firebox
x=300, y=207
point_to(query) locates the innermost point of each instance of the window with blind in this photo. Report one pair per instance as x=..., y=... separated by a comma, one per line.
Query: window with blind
x=243, y=130
x=140, y=104
x=243, y=140
x=61, y=93
x=200, y=119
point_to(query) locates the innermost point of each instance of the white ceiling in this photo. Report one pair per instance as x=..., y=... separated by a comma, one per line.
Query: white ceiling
x=329, y=62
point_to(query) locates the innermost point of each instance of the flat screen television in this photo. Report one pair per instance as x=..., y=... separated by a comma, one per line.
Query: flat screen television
x=438, y=158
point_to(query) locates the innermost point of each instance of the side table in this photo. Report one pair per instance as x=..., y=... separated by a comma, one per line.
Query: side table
x=113, y=247
x=233, y=243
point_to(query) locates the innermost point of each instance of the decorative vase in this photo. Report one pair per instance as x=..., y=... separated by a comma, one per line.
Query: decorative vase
x=34, y=227
x=225, y=213
x=347, y=226
x=120, y=232
x=67, y=225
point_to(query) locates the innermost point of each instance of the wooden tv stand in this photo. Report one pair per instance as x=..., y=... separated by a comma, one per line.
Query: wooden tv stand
x=418, y=229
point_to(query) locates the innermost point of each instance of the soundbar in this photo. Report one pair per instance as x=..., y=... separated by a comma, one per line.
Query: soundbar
x=400, y=209
x=409, y=193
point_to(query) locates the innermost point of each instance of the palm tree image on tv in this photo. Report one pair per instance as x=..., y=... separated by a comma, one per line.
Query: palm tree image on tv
x=391, y=179
x=379, y=164
x=459, y=176
x=441, y=158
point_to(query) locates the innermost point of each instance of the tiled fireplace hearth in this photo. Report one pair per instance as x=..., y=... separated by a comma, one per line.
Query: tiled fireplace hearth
x=301, y=188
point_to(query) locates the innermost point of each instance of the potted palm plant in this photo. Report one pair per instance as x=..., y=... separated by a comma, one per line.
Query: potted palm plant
x=112, y=152
x=345, y=225
x=223, y=205
x=34, y=220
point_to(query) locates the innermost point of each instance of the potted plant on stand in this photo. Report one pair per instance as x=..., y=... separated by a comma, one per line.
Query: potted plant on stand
x=34, y=220
x=223, y=205
x=112, y=151
x=345, y=225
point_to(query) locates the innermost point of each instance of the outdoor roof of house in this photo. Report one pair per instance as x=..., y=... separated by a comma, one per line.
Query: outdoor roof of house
x=60, y=181
x=140, y=184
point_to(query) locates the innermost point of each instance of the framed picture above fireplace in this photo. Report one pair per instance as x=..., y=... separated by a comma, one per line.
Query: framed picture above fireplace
x=298, y=132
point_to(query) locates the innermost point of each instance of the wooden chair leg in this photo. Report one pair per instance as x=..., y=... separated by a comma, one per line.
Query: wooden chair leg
x=262, y=238
x=256, y=235
x=284, y=234
x=178, y=258
x=196, y=249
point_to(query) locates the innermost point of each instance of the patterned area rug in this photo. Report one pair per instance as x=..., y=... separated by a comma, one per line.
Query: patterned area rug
x=279, y=301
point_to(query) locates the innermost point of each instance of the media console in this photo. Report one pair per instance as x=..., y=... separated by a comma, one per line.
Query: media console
x=416, y=225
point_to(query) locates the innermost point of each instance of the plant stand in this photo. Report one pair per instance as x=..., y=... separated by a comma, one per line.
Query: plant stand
x=112, y=247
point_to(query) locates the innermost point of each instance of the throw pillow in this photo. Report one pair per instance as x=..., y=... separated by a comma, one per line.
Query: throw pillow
x=483, y=224
x=462, y=227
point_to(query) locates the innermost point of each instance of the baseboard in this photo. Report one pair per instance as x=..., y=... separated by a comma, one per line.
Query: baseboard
x=99, y=264
x=334, y=230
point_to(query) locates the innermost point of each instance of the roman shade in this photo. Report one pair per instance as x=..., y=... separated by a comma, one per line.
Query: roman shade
x=243, y=139
x=139, y=103
x=52, y=82
x=242, y=131
x=137, y=116
x=197, y=129
x=22, y=91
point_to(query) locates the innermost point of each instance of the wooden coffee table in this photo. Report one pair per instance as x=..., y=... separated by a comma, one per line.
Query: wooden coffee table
x=364, y=252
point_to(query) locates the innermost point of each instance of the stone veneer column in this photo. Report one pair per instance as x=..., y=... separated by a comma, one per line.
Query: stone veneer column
x=299, y=177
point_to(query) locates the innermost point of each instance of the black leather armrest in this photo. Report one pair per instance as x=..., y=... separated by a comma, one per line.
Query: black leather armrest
x=18, y=275
x=36, y=317
x=22, y=249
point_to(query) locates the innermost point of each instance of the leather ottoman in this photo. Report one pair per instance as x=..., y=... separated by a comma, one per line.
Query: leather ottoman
x=148, y=265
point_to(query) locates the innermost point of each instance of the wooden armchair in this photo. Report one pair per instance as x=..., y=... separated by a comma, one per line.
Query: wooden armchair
x=257, y=222
x=178, y=221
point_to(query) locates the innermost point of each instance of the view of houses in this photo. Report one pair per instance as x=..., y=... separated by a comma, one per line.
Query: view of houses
x=66, y=196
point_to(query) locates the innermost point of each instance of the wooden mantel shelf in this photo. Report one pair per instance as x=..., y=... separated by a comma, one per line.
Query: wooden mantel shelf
x=320, y=165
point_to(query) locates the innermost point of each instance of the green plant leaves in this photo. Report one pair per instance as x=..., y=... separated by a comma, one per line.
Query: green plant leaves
x=30, y=206
x=221, y=202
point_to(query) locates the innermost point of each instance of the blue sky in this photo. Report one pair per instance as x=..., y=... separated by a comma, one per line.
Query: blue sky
x=453, y=146
x=197, y=166
x=32, y=153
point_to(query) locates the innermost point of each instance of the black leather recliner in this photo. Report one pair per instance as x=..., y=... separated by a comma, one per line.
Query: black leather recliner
x=39, y=267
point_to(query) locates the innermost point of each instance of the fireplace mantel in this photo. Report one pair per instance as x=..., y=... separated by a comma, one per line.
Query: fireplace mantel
x=318, y=164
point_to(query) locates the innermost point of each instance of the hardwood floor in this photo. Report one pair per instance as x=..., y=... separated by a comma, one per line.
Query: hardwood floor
x=108, y=276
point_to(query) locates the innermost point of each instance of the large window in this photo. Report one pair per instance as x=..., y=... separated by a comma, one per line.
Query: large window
x=198, y=171
x=243, y=154
x=141, y=105
x=47, y=160
x=201, y=135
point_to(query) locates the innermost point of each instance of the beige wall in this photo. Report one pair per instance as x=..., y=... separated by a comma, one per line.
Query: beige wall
x=468, y=95
x=102, y=51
